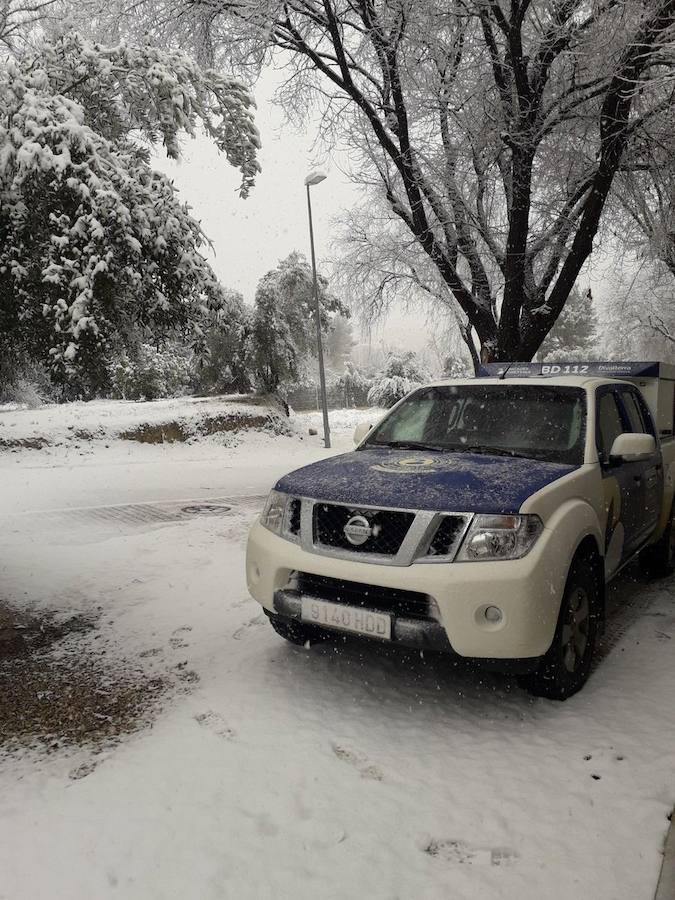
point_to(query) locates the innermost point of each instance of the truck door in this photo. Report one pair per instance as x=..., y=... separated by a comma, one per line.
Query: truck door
x=651, y=470
x=611, y=421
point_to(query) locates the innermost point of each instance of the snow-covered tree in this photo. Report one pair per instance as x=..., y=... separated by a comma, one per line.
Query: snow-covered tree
x=639, y=321
x=575, y=334
x=401, y=374
x=643, y=212
x=283, y=327
x=455, y=368
x=19, y=17
x=223, y=368
x=354, y=385
x=495, y=130
x=379, y=267
x=95, y=246
x=339, y=343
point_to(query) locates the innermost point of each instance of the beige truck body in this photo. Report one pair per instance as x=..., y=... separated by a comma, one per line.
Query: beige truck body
x=585, y=507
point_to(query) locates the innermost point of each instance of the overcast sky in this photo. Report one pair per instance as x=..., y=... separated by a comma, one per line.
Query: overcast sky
x=250, y=236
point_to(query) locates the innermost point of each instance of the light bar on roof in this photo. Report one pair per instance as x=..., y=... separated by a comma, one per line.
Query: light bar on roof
x=606, y=369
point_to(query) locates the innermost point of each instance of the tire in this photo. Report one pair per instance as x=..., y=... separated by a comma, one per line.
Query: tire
x=294, y=632
x=566, y=666
x=658, y=560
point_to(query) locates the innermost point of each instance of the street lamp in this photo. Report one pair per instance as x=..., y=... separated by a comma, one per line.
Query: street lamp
x=315, y=178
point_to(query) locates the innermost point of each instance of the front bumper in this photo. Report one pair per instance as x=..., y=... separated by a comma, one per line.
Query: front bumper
x=414, y=634
x=528, y=591
x=424, y=634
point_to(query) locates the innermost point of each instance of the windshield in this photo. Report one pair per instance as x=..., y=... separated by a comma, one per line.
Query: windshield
x=533, y=421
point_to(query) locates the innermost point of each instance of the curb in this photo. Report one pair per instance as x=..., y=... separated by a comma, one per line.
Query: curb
x=665, y=889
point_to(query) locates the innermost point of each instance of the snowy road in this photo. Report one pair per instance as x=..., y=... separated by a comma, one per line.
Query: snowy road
x=337, y=772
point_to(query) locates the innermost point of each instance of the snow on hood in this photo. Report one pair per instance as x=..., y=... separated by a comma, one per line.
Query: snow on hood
x=411, y=479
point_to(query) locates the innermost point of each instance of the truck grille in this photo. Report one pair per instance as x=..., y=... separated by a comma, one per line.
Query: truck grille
x=409, y=604
x=447, y=537
x=388, y=528
x=294, y=508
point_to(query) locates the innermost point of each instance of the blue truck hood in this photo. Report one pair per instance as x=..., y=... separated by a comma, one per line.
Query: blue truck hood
x=410, y=479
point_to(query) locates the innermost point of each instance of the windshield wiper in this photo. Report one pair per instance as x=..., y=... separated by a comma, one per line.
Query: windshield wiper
x=409, y=445
x=494, y=451
x=440, y=448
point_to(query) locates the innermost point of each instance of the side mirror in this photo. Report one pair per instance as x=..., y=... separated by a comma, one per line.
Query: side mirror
x=632, y=447
x=360, y=432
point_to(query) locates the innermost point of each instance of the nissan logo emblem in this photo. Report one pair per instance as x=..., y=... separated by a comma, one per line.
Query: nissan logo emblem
x=357, y=530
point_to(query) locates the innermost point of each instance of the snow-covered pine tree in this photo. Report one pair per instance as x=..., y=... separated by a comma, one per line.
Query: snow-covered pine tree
x=575, y=334
x=94, y=244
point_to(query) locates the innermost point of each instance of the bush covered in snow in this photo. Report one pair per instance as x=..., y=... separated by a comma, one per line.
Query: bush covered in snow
x=401, y=374
x=95, y=247
x=26, y=386
x=354, y=385
x=147, y=373
x=454, y=367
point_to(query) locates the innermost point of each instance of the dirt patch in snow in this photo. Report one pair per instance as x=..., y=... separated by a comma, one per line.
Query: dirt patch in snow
x=166, y=433
x=156, y=422
x=35, y=443
x=58, y=689
x=172, y=432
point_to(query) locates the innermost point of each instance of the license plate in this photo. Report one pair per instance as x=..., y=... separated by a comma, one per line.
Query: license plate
x=346, y=618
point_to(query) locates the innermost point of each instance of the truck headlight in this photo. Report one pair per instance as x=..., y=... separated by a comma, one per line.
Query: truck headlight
x=274, y=512
x=499, y=537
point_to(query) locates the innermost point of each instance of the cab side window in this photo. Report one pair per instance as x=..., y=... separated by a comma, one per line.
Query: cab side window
x=610, y=425
x=634, y=413
x=646, y=414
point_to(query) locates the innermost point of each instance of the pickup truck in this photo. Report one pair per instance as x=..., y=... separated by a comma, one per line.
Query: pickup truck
x=480, y=517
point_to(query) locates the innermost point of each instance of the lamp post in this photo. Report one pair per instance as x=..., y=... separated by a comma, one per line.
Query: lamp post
x=312, y=179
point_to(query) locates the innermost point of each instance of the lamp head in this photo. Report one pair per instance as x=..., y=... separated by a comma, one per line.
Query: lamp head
x=315, y=177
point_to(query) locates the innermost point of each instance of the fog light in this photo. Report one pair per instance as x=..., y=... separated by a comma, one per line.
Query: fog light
x=493, y=614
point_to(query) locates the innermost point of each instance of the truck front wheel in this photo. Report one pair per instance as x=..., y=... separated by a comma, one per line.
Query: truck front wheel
x=567, y=664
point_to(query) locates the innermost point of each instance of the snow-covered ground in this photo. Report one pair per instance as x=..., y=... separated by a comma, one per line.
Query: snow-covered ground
x=335, y=772
x=183, y=419
x=84, y=463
